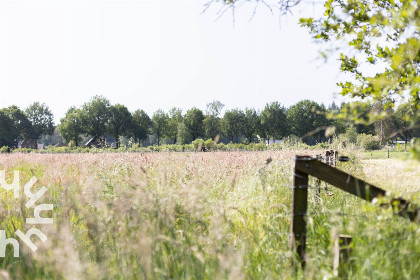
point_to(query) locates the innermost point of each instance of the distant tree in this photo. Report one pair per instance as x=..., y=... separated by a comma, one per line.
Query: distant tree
x=71, y=126
x=160, y=124
x=384, y=121
x=212, y=127
x=261, y=131
x=251, y=123
x=20, y=120
x=142, y=125
x=333, y=107
x=273, y=120
x=194, y=123
x=233, y=124
x=350, y=134
x=358, y=114
x=119, y=123
x=8, y=131
x=305, y=117
x=95, y=115
x=41, y=118
x=402, y=121
x=175, y=117
x=382, y=33
x=407, y=124
x=340, y=125
x=211, y=122
x=184, y=136
x=214, y=108
x=52, y=139
x=283, y=7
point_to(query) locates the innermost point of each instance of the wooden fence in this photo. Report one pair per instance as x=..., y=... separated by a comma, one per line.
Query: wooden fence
x=305, y=166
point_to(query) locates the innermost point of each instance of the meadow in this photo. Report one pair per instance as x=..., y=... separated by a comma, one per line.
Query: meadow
x=215, y=215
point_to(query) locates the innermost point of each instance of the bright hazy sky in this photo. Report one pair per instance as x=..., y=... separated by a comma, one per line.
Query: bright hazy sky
x=157, y=54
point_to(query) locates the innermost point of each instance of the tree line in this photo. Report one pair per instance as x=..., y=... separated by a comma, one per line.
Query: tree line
x=306, y=120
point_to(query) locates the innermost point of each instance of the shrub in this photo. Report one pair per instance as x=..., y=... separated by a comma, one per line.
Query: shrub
x=369, y=142
x=23, y=150
x=57, y=150
x=400, y=147
x=221, y=147
x=260, y=146
x=415, y=148
x=322, y=145
x=198, y=144
x=350, y=135
x=209, y=144
x=241, y=146
x=274, y=146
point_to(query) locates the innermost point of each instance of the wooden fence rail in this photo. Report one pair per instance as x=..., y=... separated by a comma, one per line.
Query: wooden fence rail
x=305, y=166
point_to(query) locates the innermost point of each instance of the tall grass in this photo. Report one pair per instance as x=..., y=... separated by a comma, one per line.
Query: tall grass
x=200, y=216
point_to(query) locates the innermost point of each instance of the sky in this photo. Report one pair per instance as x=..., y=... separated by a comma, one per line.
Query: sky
x=158, y=54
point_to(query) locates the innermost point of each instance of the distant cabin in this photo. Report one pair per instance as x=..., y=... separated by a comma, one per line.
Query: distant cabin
x=95, y=142
x=28, y=143
x=271, y=141
x=398, y=142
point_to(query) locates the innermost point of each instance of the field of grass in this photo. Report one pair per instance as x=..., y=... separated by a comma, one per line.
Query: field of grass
x=383, y=154
x=220, y=215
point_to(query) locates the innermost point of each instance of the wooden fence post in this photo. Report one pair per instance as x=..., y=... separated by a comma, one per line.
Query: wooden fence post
x=305, y=166
x=299, y=209
x=342, y=252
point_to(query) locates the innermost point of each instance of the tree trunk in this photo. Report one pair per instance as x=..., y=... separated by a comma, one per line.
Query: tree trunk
x=381, y=133
x=117, y=141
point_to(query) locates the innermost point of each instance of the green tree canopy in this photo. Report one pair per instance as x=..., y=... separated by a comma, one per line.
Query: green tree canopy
x=384, y=125
x=383, y=33
x=307, y=118
x=214, y=108
x=175, y=117
x=20, y=120
x=282, y=6
x=211, y=122
x=251, y=123
x=194, y=123
x=8, y=131
x=41, y=118
x=212, y=127
x=358, y=114
x=183, y=136
x=119, y=123
x=160, y=124
x=405, y=127
x=95, y=115
x=70, y=126
x=273, y=120
x=233, y=124
x=142, y=125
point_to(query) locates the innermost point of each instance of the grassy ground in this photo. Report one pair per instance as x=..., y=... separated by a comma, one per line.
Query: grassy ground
x=202, y=216
x=383, y=154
